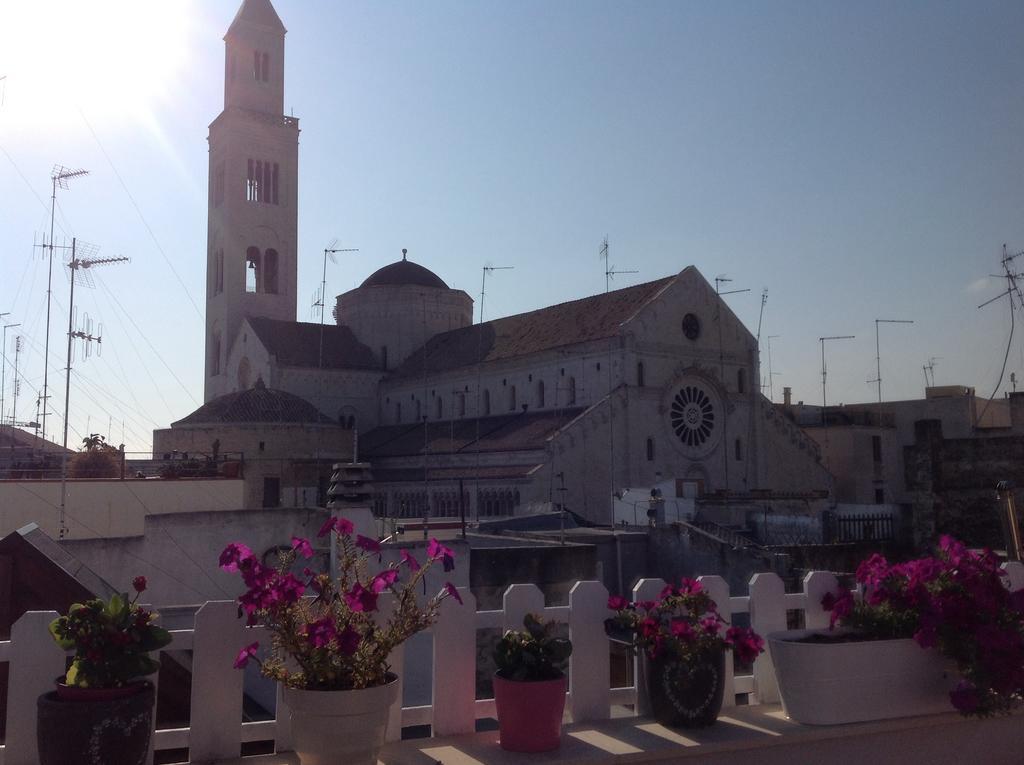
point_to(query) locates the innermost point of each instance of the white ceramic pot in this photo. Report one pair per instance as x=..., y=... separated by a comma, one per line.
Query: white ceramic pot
x=332, y=727
x=834, y=683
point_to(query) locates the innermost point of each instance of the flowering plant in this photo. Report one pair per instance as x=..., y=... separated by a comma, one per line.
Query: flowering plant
x=111, y=640
x=682, y=624
x=957, y=601
x=330, y=634
x=534, y=653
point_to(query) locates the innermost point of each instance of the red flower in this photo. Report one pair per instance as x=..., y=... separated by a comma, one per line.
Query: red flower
x=617, y=603
x=139, y=583
x=384, y=579
x=361, y=599
x=321, y=632
x=411, y=562
x=234, y=555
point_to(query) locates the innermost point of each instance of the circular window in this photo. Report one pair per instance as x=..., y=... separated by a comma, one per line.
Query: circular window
x=691, y=326
x=692, y=416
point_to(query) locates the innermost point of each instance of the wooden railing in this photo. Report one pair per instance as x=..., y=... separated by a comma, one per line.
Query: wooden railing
x=216, y=730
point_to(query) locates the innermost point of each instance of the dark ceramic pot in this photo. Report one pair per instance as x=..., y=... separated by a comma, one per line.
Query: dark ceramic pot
x=683, y=695
x=95, y=732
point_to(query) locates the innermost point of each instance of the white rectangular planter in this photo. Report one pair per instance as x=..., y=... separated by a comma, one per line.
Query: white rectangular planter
x=834, y=683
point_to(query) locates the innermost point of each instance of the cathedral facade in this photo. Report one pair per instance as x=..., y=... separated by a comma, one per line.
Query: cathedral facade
x=649, y=385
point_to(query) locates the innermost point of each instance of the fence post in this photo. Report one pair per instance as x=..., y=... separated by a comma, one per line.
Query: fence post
x=645, y=589
x=589, y=674
x=767, y=615
x=518, y=601
x=816, y=585
x=454, y=682
x=35, y=660
x=216, y=721
x=718, y=589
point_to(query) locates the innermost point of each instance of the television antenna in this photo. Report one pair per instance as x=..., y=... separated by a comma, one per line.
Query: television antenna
x=610, y=271
x=321, y=299
x=771, y=374
x=878, y=356
x=1012, y=289
x=929, y=368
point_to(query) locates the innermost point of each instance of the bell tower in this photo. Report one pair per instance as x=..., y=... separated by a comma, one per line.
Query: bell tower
x=251, y=267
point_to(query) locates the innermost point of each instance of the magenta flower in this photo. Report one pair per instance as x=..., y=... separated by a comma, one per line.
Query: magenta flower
x=233, y=555
x=746, y=644
x=436, y=550
x=617, y=603
x=321, y=632
x=370, y=545
x=361, y=599
x=452, y=591
x=249, y=652
x=303, y=547
x=327, y=528
x=348, y=641
x=384, y=579
x=342, y=526
x=411, y=562
x=681, y=629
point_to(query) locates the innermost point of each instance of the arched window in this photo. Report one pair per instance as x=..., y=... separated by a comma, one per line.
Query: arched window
x=741, y=381
x=739, y=450
x=215, y=352
x=253, y=275
x=640, y=374
x=572, y=391
x=512, y=398
x=265, y=68
x=487, y=402
x=540, y=394
x=440, y=407
x=218, y=278
x=650, y=450
x=270, y=272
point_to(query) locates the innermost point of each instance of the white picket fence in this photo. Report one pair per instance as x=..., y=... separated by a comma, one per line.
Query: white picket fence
x=217, y=731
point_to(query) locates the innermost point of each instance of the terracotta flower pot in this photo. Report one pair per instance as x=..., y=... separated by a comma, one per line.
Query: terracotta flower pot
x=530, y=713
x=332, y=727
x=94, y=728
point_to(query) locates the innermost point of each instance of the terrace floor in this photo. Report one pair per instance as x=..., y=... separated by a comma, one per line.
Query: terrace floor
x=748, y=734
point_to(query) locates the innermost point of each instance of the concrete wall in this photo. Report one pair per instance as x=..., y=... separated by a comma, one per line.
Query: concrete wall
x=848, y=453
x=111, y=508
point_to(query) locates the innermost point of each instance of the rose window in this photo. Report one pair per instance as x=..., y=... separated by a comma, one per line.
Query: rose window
x=692, y=416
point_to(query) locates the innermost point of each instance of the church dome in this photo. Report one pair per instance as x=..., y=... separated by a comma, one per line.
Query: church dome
x=258, y=404
x=404, y=272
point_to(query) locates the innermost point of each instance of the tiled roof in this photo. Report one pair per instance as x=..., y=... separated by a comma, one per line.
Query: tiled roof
x=510, y=432
x=577, y=321
x=404, y=272
x=258, y=404
x=297, y=344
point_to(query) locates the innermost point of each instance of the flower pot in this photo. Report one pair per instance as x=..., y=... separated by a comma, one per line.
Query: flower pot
x=683, y=694
x=828, y=683
x=331, y=727
x=93, y=730
x=529, y=713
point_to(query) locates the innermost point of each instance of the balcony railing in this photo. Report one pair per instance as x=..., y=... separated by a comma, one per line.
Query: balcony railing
x=216, y=729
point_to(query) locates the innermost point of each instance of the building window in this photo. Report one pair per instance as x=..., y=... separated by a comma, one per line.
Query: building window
x=265, y=67
x=462, y=404
x=640, y=374
x=487, y=401
x=512, y=398
x=876, y=448
x=419, y=410
x=218, y=184
x=271, y=492
x=440, y=408
x=252, y=270
x=270, y=272
x=262, y=181
x=741, y=380
x=398, y=413
x=650, y=450
x=739, y=450
x=572, y=391
x=218, y=272
x=215, y=353
x=540, y=393
x=879, y=496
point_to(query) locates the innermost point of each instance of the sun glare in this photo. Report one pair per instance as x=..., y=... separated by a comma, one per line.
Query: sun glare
x=113, y=59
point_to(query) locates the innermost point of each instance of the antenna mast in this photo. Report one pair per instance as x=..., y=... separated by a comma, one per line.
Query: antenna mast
x=609, y=270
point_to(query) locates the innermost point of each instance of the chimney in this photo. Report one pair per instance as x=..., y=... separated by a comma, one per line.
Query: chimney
x=787, y=396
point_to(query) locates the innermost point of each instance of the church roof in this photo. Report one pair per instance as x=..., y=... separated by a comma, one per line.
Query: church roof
x=258, y=12
x=297, y=344
x=404, y=272
x=515, y=431
x=255, y=405
x=577, y=321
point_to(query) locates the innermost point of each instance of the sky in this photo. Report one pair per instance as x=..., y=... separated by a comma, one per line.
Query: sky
x=858, y=161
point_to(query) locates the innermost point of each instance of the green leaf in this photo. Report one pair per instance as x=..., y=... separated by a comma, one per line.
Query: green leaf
x=154, y=637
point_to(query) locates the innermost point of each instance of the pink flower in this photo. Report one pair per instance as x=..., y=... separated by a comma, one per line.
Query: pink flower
x=411, y=562
x=711, y=624
x=384, y=579
x=617, y=603
x=746, y=643
x=233, y=555
x=436, y=550
x=342, y=526
x=302, y=547
x=452, y=591
x=139, y=583
x=682, y=630
x=690, y=587
x=361, y=599
x=249, y=652
x=840, y=605
x=326, y=529
x=370, y=545
x=321, y=632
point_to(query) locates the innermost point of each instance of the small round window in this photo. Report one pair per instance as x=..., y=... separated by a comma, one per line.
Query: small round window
x=691, y=326
x=692, y=416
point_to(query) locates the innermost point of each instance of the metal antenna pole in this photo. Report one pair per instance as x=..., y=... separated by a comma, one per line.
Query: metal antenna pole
x=771, y=389
x=878, y=355
x=3, y=366
x=329, y=251
x=59, y=177
x=824, y=372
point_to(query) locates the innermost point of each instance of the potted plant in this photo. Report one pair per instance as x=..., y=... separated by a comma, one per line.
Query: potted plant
x=329, y=641
x=919, y=636
x=684, y=641
x=102, y=709
x=530, y=685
